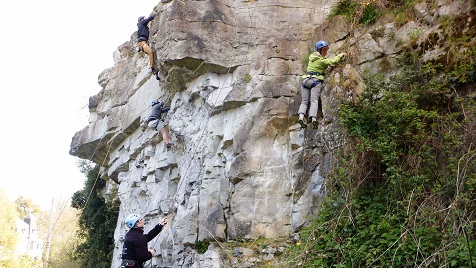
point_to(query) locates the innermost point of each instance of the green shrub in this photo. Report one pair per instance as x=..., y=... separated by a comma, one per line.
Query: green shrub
x=370, y=14
x=97, y=223
x=402, y=195
x=346, y=8
x=202, y=246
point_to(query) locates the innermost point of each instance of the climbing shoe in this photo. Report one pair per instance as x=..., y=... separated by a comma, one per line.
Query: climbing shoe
x=155, y=72
x=301, y=122
x=157, y=75
x=169, y=145
x=314, y=124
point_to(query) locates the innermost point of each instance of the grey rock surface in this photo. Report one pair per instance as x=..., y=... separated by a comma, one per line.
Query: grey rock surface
x=241, y=166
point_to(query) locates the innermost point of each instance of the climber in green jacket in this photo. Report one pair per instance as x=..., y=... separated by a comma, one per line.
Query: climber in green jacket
x=312, y=84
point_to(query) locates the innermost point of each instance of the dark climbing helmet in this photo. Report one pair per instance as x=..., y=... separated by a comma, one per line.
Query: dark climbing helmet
x=140, y=18
x=154, y=102
x=321, y=44
x=131, y=220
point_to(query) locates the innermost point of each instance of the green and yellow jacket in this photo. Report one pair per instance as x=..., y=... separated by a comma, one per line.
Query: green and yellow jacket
x=318, y=64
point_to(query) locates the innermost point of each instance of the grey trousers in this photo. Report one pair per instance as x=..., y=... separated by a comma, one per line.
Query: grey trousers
x=310, y=95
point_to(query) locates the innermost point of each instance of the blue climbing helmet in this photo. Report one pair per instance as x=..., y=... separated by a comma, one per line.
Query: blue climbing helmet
x=154, y=102
x=140, y=18
x=131, y=220
x=320, y=44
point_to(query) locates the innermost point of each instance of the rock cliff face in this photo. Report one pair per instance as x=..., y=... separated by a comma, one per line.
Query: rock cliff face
x=240, y=167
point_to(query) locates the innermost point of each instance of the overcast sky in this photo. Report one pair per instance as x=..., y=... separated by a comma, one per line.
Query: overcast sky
x=52, y=52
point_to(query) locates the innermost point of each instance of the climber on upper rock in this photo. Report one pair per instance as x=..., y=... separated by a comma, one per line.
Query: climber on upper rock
x=142, y=41
x=155, y=121
x=312, y=84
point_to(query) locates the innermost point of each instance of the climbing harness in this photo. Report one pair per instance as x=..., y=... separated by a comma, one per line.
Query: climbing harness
x=310, y=82
x=156, y=124
x=313, y=73
x=127, y=263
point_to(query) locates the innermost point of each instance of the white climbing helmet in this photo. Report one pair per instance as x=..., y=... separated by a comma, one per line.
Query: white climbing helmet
x=131, y=220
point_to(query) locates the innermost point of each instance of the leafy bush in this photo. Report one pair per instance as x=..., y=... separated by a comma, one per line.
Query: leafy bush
x=346, y=8
x=202, y=246
x=368, y=11
x=97, y=223
x=369, y=14
x=403, y=194
x=362, y=12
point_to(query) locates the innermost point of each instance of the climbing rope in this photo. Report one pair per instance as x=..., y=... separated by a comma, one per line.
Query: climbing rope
x=323, y=21
x=199, y=141
x=97, y=177
x=232, y=58
x=185, y=180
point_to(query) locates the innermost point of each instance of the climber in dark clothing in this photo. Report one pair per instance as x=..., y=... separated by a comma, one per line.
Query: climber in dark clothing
x=155, y=121
x=142, y=41
x=135, y=251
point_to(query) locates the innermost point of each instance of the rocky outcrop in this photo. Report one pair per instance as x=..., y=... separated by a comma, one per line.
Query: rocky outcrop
x=241, y=167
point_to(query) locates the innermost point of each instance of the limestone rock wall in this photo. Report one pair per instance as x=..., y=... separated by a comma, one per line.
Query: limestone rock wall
x=241, y=167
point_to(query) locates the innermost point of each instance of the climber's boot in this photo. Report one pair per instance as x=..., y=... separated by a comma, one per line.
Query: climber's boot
x=301, y=121
x=314, y=123
x=155, y=72
x=169, y=145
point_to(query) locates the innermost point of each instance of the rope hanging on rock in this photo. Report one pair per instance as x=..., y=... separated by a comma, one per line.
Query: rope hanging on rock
x=174, y=201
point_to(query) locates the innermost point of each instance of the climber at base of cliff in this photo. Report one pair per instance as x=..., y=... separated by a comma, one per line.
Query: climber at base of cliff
x=135, y=251
x=142, y=41
x=155, y=121
x=312, y=85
